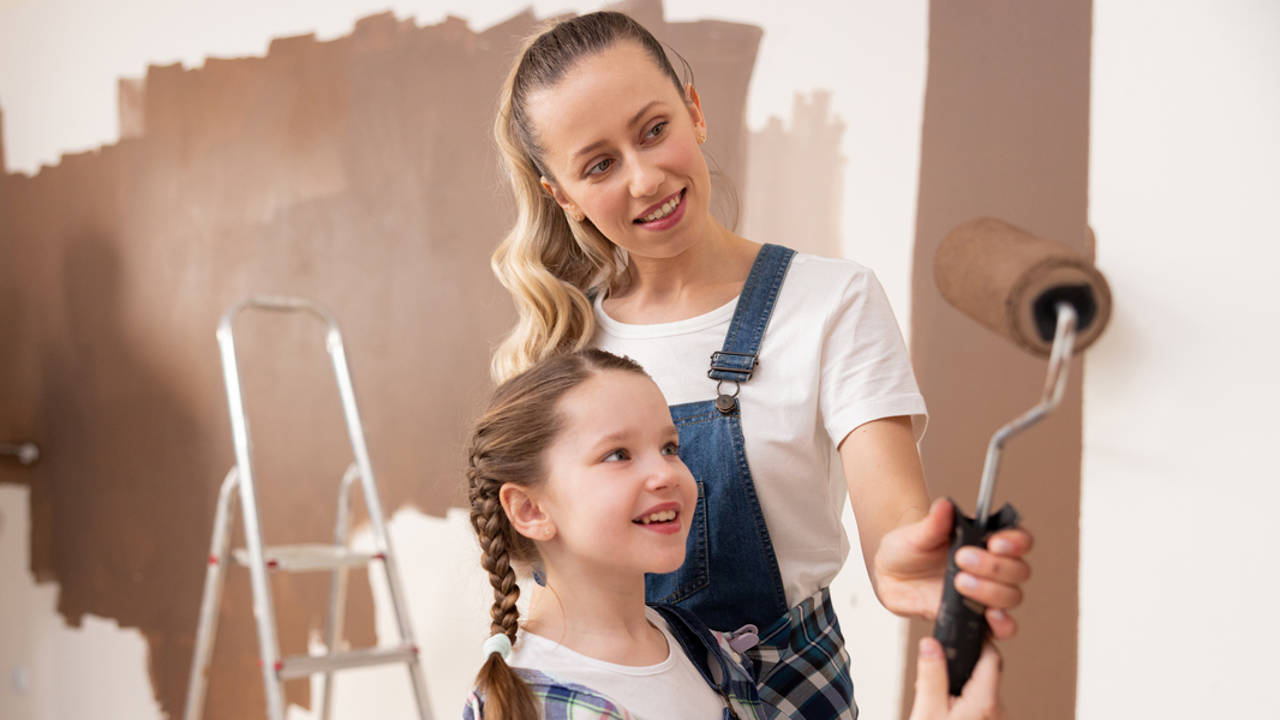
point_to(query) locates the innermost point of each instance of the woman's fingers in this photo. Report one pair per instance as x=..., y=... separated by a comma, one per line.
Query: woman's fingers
x=931, y=699
x=990, y=566
x=1013, y=542
x=991, y=594
x=1003, y=626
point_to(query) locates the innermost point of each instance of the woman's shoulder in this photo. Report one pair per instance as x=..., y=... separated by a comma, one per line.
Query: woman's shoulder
x=556, y=698
x=839, y=271
x=836, y=285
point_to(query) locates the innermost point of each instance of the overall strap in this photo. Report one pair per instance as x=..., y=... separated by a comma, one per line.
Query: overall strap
x=737, y=359
x=698, y=643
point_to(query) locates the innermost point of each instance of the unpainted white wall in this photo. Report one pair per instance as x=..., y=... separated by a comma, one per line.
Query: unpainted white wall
x=52, y=671
x=1181, y=490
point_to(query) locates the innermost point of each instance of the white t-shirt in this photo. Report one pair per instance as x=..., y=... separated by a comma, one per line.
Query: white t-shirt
x=671, y=690
x=832, y=359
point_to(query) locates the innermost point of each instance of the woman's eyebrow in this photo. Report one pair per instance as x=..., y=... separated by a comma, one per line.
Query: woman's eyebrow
x=634, y=119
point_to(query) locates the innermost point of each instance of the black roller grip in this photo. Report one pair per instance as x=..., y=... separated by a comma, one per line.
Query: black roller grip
x=962, y=624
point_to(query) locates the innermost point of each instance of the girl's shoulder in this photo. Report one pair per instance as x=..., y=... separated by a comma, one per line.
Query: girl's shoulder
x=717, y=660
x=558, y=699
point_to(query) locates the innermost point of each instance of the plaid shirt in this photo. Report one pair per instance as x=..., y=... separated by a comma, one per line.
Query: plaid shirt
x=568, y=701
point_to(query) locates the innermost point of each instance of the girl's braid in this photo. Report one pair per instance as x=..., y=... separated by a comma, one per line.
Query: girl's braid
x=495, y=534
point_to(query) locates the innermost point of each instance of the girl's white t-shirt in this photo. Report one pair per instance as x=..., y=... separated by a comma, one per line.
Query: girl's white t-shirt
x=832, y=358
x=671, y=690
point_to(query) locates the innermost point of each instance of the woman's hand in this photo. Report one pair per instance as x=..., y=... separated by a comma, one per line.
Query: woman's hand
x=911, y=561
x=978, y=701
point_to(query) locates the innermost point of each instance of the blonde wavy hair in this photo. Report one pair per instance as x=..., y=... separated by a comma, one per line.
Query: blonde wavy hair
x=550, y=263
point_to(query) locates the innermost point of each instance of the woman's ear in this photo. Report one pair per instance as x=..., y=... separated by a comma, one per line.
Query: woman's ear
x=526, y=515
x=694, y=103
x=561, y=199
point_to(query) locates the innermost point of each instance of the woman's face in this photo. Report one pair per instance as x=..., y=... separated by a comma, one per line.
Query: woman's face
x=622, y=143
x=617, y=492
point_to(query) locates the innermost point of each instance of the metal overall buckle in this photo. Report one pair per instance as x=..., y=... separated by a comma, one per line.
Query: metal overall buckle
x=726, y=403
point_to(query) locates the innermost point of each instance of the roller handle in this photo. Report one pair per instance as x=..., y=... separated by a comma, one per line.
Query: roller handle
x=961, y=626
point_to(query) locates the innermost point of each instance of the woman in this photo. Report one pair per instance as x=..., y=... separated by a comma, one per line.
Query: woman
x=615, y=247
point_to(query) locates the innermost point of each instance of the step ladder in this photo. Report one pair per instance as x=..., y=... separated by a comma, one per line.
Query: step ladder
x=335, y=557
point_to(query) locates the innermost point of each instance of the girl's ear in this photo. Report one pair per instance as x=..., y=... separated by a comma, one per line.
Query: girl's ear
x=561, y=199
x=694, y=103
x=527, y=516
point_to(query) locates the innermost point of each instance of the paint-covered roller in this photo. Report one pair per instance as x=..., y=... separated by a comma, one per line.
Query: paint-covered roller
x=1011, y=282
x=1047, y=299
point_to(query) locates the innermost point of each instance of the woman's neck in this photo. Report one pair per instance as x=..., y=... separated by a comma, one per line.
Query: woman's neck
x=704, y=277
x=597, y=615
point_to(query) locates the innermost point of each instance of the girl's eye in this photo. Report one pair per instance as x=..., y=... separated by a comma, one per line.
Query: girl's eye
x=671, y=448
x=657, y=129
x=600, y=167
x=618, y=455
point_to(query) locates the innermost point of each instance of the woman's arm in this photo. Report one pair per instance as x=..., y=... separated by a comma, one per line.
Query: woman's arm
x=905, y=540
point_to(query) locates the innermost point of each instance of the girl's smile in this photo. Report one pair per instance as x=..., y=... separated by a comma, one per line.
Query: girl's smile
x=664, y=518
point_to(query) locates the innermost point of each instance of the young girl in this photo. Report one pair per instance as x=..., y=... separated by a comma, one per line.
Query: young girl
x=574, y=466
x=615, y=247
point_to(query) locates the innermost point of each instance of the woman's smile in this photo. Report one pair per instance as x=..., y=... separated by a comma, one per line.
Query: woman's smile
x=664, y=215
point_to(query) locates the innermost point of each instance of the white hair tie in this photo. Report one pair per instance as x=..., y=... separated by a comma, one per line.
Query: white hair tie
x=498, y=643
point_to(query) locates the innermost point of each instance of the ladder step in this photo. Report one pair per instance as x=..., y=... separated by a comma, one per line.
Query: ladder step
x=304, y=558
x=304, y=665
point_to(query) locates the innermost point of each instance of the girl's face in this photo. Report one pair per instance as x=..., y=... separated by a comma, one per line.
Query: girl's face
x=621, y=141
x=617, y=493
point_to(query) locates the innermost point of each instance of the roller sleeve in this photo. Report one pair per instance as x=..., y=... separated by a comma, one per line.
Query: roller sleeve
x=1010, y=281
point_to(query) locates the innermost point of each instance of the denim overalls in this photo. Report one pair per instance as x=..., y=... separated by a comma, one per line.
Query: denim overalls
x=730, y=576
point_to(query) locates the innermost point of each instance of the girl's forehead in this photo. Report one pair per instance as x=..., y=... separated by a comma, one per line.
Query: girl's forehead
x=613, y=402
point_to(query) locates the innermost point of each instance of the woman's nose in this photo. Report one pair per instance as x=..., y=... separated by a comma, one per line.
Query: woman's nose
x=646, y=179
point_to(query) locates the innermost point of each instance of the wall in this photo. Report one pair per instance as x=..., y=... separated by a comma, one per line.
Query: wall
x=1179, y=495
x=309, y=167
x=1006, y=134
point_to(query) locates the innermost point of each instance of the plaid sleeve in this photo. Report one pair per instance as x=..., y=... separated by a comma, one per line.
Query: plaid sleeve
x=473, y=709
x=574, y=702
x=557, y=700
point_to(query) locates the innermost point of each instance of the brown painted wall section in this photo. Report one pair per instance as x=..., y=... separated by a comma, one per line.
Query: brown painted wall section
x=1006, y=134
x=358, y=172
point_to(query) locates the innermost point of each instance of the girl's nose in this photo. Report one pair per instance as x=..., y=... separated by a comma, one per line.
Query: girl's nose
x=665, y=474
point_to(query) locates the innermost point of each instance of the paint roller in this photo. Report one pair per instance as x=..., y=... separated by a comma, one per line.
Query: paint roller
x=1048, y=300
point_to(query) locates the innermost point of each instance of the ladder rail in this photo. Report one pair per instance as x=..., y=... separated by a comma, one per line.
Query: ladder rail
x=355, y=431
x=337, y=588
x=263, y=607
x=211, y=603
